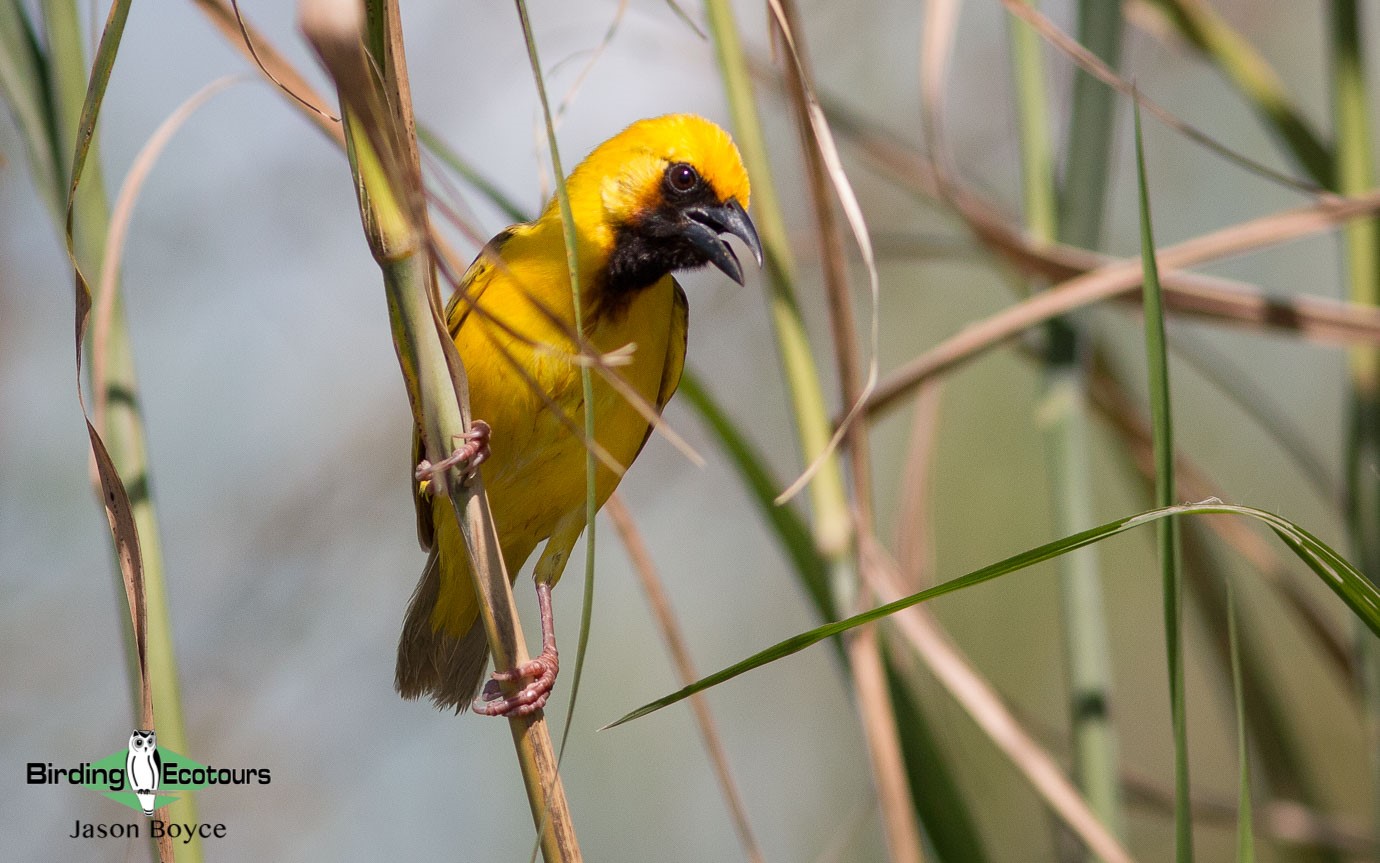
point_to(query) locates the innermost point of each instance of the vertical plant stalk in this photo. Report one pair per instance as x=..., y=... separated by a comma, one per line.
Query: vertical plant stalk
x=831, y=524
x=572, y=264
x=121, y=425
x=381, y=142
x=1245, y=832
x=1355, y=175
x=1063, y=410
x=1166, y=531
x=863, y=648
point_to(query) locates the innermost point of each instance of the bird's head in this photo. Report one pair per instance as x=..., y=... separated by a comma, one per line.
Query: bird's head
x=663, y=191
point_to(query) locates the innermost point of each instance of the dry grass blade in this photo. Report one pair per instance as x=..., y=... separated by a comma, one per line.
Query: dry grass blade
x=977, y=697
x=1090, y=63
x=254, y=54
x=242, y=36
x=894, y=794
x=685, y=668
x=114, y=495
x=1116, y=279
x=914, y=549
x=848, y=200
x=1219, y=299
x=936, y=47
x=825, y=169
x=119, y=227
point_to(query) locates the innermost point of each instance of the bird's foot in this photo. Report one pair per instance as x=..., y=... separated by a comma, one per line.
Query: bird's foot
x=468, y=457
x=541, y=671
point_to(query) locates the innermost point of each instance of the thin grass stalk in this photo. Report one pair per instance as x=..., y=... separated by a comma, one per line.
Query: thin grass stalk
x=586, y=380
x=1245, y=831
x=831, y=522
x=122, y=429
x=1063, y=404
x=1355, y=174
x=1166, y=531
x=895, y=794
x=1270, y=721
x=384, y=160
x=1081, y=213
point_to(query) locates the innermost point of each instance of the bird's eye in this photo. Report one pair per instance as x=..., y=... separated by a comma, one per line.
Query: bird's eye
x=682, y=177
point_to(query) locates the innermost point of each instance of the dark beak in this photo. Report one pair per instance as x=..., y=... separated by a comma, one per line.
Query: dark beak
x=707, y=223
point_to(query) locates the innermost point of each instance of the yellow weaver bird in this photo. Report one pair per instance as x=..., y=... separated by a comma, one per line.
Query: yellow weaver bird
x=651, y=200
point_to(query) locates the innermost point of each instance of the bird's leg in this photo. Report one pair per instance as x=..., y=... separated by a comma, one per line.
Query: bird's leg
x=470, y=456
x=541, y=671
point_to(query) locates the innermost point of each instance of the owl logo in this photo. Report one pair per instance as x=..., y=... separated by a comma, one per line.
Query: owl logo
x=143, y=767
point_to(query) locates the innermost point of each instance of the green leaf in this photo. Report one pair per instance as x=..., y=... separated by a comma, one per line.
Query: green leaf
x=1339, y=575
x=1167, y=535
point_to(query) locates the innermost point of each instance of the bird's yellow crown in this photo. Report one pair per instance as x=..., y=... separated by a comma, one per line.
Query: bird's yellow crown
x=622, y=177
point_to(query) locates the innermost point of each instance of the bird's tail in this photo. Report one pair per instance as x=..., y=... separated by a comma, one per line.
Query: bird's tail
x=430, y=660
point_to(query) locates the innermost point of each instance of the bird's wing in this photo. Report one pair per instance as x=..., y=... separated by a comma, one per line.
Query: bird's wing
x=675, y=354
x=472, y=285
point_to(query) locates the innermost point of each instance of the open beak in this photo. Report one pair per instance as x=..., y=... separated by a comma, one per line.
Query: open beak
x=707, y=223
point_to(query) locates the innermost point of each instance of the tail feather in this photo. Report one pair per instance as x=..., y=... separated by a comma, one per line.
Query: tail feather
x=432, y=662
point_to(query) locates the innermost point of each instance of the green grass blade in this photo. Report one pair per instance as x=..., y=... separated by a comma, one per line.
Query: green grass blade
x=940, y=808
x=1335, y=571
x=1088, y=161
x=1166, y=531
x=949, y=828
x=1245, y=833
x=1356, y=174
x=586, y=379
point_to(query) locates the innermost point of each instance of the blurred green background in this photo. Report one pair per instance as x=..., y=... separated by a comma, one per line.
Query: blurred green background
x=278, y=434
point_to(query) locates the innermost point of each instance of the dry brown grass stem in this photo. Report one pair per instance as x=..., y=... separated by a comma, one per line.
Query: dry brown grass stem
x=825, y=175
x=1220, y=300
x=665, y=616
x=884, y=746
x=1122, y=277
x=913, y=537
x=120, y=215
x=240, y=34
